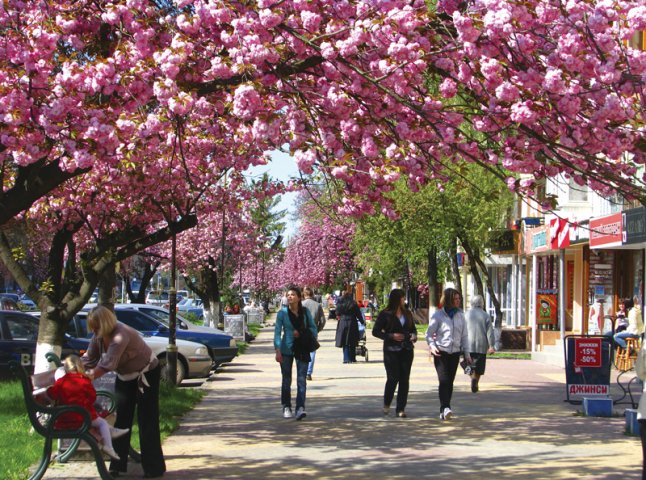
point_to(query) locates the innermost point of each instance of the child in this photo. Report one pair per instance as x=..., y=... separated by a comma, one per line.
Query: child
x=75, y=388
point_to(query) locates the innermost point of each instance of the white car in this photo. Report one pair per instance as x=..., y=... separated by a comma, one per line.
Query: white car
x=163, y=314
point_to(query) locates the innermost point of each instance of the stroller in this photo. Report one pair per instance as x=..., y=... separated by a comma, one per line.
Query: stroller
x=361, y=348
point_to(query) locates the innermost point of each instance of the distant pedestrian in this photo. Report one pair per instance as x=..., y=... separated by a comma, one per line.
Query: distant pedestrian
x=290, y=323
x=395, y=326
x=447, y=337
x=317, y=314
x=635, y=327
x=481, y=339
x=349, y=316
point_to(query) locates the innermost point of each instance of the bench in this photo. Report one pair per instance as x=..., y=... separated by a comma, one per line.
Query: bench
x=43, y=415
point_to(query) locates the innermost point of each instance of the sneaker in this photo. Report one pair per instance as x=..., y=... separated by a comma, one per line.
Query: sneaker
x=300, y=413
x=474, y=385
x=446, y=414
x=309, y=377
x=386, y=410
x=118, y=432
x=111, y=453
x=402, y=414
x=287, y=412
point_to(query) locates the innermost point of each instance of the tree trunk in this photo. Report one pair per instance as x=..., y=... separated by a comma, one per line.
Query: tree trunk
x=473, y=253
x=107, y=287
x=492, y=293
x=433, y=299
x=207, y=287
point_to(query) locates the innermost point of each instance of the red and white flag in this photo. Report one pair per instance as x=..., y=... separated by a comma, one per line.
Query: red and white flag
x=559, y=233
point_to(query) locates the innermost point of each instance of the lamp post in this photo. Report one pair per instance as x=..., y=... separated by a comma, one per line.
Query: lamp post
x=171, y=349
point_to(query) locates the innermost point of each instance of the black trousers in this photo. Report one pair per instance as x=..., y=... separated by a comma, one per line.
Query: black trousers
x=446, y=366
x=398, y=365
x=147, y=404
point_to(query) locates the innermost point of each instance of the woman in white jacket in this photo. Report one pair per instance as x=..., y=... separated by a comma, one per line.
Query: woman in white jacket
x=447, y=338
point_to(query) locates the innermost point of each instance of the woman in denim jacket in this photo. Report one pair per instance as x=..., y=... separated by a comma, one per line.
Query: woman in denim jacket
x=290, y=324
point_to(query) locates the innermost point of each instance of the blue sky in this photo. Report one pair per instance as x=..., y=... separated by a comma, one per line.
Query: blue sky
x=282, y=167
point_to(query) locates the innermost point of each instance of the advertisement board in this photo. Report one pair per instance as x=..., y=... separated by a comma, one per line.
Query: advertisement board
x=587, y=366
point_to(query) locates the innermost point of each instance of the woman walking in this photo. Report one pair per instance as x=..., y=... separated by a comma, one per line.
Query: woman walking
x=395, y=326
x=290, y=324
x=447, y=337
x=347, y=330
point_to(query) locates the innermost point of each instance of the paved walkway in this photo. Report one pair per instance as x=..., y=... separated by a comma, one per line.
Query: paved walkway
x=517, y=427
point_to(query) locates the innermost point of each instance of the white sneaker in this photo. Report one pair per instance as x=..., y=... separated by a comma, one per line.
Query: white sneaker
x=111, y=453
x=300, y=413
x=446, y=414
x=118, y=432
x=287, y=412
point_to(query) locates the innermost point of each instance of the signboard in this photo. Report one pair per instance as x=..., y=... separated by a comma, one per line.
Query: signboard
x=587, y=366
x=234, y=325
x=634, y=221
x=546, y=308
x=537, y=239
x=606, y=231
x=503, y=242
x=587, y=352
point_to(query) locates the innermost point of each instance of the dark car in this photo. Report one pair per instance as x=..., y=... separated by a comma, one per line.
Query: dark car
x=18, y=337
x=222, y=347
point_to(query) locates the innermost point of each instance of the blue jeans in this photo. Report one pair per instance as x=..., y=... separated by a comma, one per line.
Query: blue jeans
x=310, y=367
x=301, y=381
x=620, y=338
x=349, y=353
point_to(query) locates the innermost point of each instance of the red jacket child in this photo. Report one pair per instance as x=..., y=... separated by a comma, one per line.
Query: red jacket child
x=73, y=389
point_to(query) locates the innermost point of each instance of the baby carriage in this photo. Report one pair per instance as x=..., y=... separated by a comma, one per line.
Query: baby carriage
x=362, y=349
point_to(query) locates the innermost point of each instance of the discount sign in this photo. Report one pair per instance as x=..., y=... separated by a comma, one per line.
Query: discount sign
x=587, y=352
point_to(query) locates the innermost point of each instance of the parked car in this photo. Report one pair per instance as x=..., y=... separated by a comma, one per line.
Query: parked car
x=193, y=306
x=157, y=297
x=18, y=337
x=26, y=303
x=222, y=347
x=193, y=359
x=163, y=314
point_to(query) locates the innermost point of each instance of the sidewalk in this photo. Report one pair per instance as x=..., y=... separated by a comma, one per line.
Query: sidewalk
x=516, y=427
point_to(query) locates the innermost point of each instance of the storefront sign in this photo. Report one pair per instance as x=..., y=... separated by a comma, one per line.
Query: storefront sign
x=503, y=242
x=634, y=221
x=606, y=231
x=536, y=239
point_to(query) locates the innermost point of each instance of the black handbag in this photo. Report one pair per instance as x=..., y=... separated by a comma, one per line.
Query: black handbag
x=308, y=341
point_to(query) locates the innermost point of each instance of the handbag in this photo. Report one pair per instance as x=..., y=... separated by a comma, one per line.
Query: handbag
x=308, y=341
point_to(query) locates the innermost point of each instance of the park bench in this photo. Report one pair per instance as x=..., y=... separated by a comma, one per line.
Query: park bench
x=43, y=415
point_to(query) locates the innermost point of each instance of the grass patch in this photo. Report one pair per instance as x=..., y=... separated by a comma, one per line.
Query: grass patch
x=510, y=355
x=20, y=449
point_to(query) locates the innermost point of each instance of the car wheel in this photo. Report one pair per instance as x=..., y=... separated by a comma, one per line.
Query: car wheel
x=181, y=369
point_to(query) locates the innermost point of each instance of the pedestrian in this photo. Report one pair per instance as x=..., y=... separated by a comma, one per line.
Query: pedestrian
x=291, y=321
x=75, y=388
x=316, y=312
x=447, y=338
x=349, y=316
x=118, y=347
x=640, y=370
x=481, y=339
x=395, y=326
x=635, y=327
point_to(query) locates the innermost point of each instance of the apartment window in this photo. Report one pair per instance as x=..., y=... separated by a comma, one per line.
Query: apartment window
x=576, y=192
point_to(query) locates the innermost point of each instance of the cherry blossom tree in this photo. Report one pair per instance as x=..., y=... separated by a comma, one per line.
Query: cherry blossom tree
x=368, y=91
x=319, y=254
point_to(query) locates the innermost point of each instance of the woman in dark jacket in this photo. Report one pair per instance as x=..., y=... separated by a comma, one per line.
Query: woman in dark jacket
x=395, y=326
x=349, y=315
